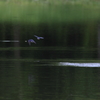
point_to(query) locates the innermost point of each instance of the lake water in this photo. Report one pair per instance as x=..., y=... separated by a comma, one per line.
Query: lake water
x=49, y=73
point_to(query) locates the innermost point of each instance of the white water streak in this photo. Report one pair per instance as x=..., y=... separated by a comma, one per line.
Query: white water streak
x=79, y=64
x=9, y=40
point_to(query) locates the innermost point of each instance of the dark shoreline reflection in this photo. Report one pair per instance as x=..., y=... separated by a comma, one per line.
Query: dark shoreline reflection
x=50, y=53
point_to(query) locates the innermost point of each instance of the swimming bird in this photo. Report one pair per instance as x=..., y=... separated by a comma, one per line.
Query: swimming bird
x=38, y=37
x=30, y=41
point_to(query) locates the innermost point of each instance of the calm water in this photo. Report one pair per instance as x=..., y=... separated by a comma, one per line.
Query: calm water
x=39, y=74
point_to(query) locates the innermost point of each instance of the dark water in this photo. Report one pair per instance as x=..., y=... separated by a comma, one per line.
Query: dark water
x=28, y=74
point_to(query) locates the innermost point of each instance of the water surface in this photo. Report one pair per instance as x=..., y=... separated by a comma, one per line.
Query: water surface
x=39, y=74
